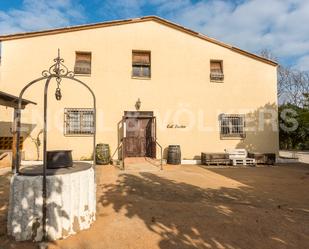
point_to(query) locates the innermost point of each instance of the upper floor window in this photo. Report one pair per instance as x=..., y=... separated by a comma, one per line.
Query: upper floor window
x=216, y=70
x=78, y=121
x=232, y=126
x=141, y=64
x=82, y=63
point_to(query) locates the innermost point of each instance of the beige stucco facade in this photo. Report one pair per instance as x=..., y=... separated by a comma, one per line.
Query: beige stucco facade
x=179, y=92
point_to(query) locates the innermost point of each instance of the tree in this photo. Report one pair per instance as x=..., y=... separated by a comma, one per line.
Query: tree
x=293, y=95
x=306, y=96
x=37, y=142
x=283, y=72
x=294, y=127
x=292, y=84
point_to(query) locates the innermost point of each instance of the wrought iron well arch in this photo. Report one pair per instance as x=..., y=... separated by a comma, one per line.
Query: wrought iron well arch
x=58, y=71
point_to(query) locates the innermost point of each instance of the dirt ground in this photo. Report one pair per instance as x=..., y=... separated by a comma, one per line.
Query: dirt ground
x=191, y=207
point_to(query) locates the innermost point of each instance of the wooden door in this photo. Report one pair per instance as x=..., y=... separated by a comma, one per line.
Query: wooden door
x=137, y=137
x=150, y=138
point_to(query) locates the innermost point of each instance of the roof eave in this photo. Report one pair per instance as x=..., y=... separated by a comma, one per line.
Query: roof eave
x=10, y=100
x=134, y=20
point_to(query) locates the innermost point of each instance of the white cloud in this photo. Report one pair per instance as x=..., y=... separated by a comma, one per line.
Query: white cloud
x=303, y=63
x=279, y=25
x=41, y=14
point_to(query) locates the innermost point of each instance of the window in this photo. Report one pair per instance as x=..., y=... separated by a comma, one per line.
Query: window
x=78, y=121
x=216, y=70
x=6, y=143
x=141, y=64
x=82, y=63
x=232, y=126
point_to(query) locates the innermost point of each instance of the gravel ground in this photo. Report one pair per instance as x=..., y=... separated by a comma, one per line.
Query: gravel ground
x=191, y=207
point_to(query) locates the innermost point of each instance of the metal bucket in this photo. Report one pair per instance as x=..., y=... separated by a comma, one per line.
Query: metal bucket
x=59, y=159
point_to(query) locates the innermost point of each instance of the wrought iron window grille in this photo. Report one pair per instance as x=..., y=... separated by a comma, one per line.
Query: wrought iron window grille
x=78, y=121
x=232, y=126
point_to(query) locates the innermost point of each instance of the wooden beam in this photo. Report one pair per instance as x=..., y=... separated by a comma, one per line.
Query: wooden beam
x=10, y=104
x=14, y=151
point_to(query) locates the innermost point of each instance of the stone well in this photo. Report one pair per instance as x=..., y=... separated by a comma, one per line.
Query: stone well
x=71, y=202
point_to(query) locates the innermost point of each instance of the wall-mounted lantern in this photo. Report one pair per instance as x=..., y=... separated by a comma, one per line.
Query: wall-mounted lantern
x=138, y=104
x=58, y=94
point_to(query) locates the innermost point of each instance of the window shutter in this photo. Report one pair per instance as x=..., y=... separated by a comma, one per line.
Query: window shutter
x=141, y=64
x=141, y=58
x=83, y=63
x=216, y=67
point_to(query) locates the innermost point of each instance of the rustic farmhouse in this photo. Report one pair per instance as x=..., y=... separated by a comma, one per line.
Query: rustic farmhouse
x=155, y=81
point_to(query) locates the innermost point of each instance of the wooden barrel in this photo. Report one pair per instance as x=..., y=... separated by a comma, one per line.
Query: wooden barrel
x=174, y=154
x=102, y=154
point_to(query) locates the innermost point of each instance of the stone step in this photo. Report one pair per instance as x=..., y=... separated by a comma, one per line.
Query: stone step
x=140, y=163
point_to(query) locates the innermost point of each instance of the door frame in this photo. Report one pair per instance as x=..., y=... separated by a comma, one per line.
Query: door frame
x=140, y=115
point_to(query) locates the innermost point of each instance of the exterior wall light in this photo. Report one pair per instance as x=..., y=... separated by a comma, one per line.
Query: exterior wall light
x=138, y=104
x=58, y=94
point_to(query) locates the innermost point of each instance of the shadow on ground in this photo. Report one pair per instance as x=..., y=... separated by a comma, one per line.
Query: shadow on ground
x=187, y=216
x=195, y=207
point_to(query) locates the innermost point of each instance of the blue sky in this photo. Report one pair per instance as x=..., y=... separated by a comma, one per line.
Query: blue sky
x=279, y=25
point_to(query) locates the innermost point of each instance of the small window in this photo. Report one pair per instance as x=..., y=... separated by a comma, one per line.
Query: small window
x=82, y=63
x=216, y=70
x=6, y=143
x=141, y=64
x=78, y=121
x=232, y=126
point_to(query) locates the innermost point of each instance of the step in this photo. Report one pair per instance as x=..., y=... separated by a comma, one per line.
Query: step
x=139, y=163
